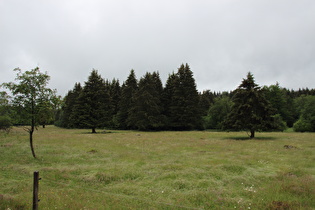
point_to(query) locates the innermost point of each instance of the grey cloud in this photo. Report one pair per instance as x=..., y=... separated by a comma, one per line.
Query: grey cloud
x=221, y=40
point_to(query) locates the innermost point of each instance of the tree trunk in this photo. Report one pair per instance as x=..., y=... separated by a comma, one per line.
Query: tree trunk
x=31, y=131
x=252, y=134
x=93, y=130
x=44, y=125
x=31, y=142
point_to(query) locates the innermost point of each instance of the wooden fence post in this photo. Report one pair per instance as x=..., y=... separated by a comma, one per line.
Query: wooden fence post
x=35, y=190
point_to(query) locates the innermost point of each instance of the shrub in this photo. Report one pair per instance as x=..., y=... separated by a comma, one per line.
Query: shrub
x=5, y=123
x=302, y=125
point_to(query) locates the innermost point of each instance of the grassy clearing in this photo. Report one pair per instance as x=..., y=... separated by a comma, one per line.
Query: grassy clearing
x=158, y=170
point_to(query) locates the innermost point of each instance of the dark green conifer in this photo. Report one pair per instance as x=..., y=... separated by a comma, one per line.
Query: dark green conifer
x=67, y=115
x=251, y=111
x=182, y=100
x=126, y=102
x=93, y=107
x=146, y=112
x=115, y=96
x=206, y=99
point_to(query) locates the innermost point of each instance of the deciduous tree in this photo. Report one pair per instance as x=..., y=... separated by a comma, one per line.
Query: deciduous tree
x=306, y=122
x=28, y=94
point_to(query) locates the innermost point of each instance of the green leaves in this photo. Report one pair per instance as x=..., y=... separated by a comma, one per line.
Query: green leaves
x=306, y=121
x=31, y=98
x=30, y=93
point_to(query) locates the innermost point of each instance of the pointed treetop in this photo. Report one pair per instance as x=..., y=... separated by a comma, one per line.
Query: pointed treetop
x=248, y=83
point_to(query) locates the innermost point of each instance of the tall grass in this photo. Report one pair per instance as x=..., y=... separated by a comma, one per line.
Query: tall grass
x=158, y=170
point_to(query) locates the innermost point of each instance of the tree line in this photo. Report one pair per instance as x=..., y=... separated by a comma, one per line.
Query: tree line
x=146, y=104
x=142, y=104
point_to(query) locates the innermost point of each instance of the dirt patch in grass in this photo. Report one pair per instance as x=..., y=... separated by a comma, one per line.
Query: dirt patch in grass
x=289, y=147
x=283, y=205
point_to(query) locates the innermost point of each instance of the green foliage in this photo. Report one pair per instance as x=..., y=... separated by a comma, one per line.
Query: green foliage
x=281, y=102
x=218, y=112
x=5, y=123
x=45, y=114
x=147, y=105
x=250, y=111
x=127, y=100
x=206, y=99
x=29, y=95
x=181, y=100
x=4, y=103
x=302, y=125
x=115, y=97
x=147, y=109
x=66, y=117
x=306, y=121
x=92, y=109
x=278, y=123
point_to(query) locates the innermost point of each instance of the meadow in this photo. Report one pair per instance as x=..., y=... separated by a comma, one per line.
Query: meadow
x=158, y=170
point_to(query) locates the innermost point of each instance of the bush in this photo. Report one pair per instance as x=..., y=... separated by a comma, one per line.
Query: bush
x=302, y=125
x=306, y=121
x=5, y=123
x=279, y=123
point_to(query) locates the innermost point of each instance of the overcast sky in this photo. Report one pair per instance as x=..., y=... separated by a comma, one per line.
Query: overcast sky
x=221, y=40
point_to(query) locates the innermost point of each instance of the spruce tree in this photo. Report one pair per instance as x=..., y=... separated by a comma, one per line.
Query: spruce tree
x=206, y=99
x=169, y=102
x=93, y=107
x=67, y=116
x=146, y=112
x=251, y=111
x=182, y=100
x=115, y=96
x=126, y=102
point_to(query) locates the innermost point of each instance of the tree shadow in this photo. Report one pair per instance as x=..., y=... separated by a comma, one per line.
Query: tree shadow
x=98, y=132
x=244, y=138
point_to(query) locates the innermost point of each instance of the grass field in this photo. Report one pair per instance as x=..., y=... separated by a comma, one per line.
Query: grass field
x=158, y=170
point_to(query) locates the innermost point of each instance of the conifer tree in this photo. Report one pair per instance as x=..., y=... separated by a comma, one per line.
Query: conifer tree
x=67, y=116
x=182, y=107
x=146, y=112
x=206, y=99
x=126, y=102
x=115, y=96
x=168, y=101
x=250, y=111
x=93, y=107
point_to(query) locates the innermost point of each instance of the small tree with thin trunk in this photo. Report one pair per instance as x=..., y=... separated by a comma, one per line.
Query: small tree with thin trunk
x=29, y=93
